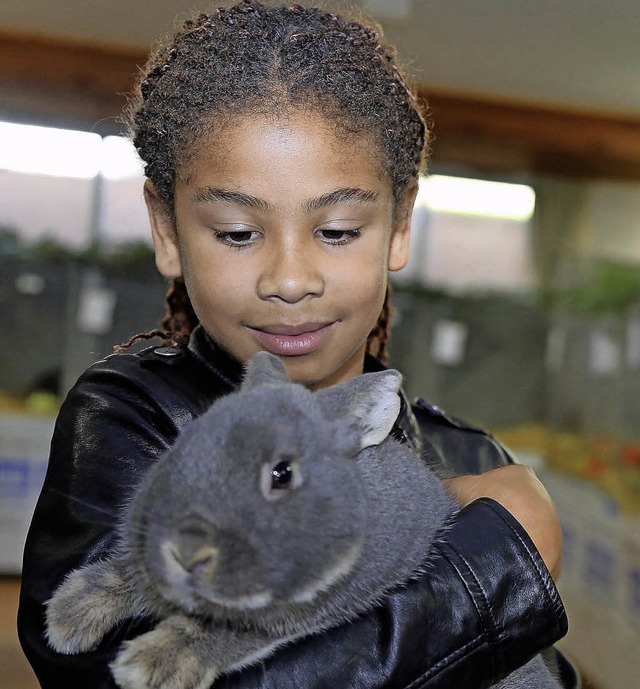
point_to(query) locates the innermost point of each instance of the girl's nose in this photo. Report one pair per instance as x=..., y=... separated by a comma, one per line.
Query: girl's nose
x=290, y=275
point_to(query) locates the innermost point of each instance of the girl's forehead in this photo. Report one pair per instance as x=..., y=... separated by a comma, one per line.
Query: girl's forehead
x=271, y=145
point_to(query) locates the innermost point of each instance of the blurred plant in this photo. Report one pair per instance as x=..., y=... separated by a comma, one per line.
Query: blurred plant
x=50, y=250
x=127, y=259
x=131, y=259
x=614, y=289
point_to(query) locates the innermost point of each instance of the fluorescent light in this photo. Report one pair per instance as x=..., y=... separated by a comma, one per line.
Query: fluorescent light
x=49, y=151
x=120, y=159
x=476, y=197
x=66, y=152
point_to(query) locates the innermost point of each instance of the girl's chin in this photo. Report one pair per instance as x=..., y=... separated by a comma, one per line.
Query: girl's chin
x=316, y=373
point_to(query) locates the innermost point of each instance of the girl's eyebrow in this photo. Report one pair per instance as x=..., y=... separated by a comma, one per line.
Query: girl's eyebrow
x=204, y=195
x=345, y=195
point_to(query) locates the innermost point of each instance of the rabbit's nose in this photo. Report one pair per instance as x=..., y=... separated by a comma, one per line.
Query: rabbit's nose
x=193, y=548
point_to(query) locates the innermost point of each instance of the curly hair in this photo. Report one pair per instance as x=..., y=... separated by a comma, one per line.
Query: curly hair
x=271, y=60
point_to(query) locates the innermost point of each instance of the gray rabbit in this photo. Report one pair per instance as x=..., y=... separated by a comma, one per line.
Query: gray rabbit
x=278, y=513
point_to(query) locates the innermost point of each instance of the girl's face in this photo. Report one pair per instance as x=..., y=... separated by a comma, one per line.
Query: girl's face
x=284, y=233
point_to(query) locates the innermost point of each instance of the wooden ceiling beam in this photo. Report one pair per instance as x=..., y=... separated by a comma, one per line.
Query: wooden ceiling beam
x=68, y=84
x=500, y=135
x=44, y=80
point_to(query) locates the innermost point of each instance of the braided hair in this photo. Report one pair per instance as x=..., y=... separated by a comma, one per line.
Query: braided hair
x=257, y=58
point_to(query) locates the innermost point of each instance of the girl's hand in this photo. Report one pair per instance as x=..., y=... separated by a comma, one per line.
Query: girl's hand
x=518, y=490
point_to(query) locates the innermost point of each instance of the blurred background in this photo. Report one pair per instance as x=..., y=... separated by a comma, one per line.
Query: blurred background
x=519, y=311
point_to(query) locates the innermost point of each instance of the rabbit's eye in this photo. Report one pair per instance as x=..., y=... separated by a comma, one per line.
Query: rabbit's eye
x=280, y=479
x=281, y=475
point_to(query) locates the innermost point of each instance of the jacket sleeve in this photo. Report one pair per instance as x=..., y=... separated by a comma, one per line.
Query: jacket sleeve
x=108, y=431
x=485, y=606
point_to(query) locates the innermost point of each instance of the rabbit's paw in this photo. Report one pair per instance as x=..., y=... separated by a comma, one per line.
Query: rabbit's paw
x=162, y=659
x=83, y=608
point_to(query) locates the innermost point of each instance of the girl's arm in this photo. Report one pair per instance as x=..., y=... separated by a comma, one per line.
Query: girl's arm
x=517, y=488
x=485, y=607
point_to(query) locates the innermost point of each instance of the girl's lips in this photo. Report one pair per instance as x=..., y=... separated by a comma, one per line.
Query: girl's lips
x=292, y=341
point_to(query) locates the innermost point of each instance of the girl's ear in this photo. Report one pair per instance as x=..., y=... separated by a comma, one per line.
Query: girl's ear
x=163, y=231
x=399, y=246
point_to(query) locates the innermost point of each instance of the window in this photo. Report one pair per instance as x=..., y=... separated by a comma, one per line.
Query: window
x=472, y=235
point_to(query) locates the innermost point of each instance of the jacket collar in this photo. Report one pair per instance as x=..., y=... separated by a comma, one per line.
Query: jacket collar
x=216, y=359
x=230, y=371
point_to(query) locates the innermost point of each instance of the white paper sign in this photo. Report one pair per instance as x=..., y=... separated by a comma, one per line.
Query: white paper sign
x=95, y=310
x=449, y=342
x=604, y=353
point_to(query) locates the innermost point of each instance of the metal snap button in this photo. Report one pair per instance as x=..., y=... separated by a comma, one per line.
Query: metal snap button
x=167, y=351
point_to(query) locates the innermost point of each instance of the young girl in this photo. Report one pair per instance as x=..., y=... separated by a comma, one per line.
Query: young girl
x=282, y=151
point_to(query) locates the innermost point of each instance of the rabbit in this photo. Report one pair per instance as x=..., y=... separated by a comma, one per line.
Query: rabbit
x=278, y=513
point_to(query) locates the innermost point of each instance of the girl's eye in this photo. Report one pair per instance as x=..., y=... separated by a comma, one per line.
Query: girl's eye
x=338, y=236
x=237, y=238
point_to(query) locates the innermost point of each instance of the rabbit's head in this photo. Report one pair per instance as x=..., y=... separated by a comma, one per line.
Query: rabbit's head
x=259, y=502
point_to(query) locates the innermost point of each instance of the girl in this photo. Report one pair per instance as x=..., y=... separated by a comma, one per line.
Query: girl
x=282, y=149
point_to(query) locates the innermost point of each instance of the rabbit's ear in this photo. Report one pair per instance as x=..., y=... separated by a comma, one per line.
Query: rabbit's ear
x=371, y=401
x=263, y=368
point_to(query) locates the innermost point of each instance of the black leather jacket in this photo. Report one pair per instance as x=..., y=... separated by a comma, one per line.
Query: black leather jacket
x=487, y=605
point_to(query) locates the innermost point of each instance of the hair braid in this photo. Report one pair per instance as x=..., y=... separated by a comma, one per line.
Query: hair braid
x=177, y=324
x=180, y=319
x=379, y=336
x=272, y=59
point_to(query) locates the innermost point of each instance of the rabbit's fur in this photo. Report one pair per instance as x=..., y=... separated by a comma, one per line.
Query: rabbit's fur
x=234, y=560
